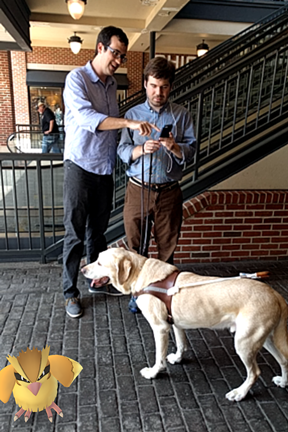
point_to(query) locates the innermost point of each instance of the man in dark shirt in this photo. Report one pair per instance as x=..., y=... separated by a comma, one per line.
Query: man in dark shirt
x=49, y=129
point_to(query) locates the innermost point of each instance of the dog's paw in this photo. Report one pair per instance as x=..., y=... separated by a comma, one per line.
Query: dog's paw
x=149, y=373
x=278, y=380
x=174, y=358
x=235, y=395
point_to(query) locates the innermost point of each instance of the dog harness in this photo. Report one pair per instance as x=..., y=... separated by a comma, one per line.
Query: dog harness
x=166, y=288
x=159, y=289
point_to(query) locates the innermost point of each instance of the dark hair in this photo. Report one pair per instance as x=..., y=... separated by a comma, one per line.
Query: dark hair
x=106, y=34
x=160, y=68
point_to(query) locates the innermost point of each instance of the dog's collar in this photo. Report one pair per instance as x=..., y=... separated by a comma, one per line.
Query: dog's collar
x=159, y=289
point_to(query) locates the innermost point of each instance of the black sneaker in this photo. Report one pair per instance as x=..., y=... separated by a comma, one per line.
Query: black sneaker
x=73, y=307
x=105, y=289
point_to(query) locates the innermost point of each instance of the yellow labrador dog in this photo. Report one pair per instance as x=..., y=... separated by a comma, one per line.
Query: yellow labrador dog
x=252, y=309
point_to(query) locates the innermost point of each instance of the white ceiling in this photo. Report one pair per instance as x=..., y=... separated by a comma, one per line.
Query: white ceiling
x=4, y=35
x=51, y=25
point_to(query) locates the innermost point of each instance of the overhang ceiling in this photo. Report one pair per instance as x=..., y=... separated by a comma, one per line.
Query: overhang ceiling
x=51, y=25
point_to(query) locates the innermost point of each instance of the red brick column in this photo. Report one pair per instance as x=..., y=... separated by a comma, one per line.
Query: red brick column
x=20, y=89
x=135, y=66
x=7, y=114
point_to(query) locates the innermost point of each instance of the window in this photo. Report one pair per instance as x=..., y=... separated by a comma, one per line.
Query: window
x=51, y=97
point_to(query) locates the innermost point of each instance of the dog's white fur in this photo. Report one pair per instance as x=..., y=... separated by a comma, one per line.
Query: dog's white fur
x=256, y=312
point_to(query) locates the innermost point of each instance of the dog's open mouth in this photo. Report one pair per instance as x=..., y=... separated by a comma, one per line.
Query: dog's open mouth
x=100, y=282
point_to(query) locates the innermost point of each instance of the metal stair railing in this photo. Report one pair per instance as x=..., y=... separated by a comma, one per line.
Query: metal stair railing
x=236, y=110
x=234, y=113
x=192, y=81
x=221, y=56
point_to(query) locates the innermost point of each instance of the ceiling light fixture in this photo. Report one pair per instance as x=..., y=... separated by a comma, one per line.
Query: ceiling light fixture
x=149, y=2
x=170, y=9
x=164, y=13
x=202, y=49
x=75, y=43
x=76, y=8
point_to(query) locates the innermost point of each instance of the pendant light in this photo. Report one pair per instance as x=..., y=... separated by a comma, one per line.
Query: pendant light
x=75, y=43
x=202, y=49
x=76, y=8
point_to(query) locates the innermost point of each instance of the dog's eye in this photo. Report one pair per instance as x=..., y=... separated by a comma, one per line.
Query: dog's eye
x=99, y=264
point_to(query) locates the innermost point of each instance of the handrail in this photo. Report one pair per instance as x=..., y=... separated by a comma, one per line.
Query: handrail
x=232, y=69
x=30, y=141
x=21, y=127
x=228, y=48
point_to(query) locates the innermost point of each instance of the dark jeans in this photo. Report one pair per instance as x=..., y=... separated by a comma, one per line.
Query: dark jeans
x=87, y=207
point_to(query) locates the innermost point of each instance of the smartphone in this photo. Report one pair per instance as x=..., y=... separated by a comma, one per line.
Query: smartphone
x=165, y=131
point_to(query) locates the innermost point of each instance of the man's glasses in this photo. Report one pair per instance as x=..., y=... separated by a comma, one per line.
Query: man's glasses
x=117, y=54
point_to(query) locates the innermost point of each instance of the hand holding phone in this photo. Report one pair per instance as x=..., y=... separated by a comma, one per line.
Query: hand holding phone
x=165, y=131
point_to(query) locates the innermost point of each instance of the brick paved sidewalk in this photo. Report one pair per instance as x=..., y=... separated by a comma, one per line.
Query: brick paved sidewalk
x=113, y=345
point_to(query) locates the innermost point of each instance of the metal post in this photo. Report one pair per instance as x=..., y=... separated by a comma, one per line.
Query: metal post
x=152, y=44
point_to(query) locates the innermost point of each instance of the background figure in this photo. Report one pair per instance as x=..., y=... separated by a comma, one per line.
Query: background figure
x=168, y=158
x=91, y=123
x=50, y=130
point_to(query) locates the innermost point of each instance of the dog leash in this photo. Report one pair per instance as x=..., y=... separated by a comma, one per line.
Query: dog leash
x=143, y=244
x=175, y=289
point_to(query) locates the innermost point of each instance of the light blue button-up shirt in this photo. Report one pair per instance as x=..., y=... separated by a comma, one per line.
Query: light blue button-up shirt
x=88, y=101
x=165, y=165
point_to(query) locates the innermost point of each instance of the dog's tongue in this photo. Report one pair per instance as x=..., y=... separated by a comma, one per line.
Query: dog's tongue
x=100, y=282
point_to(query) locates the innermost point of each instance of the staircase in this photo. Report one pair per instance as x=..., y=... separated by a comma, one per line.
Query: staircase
x=219, y=57
x=238, y=97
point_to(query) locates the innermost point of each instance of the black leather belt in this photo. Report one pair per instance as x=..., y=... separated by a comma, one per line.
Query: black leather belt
x=155, y=187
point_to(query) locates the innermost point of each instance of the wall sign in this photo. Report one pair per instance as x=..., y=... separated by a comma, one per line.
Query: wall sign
x=178, y=60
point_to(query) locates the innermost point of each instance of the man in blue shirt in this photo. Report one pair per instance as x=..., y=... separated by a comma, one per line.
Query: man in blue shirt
x=164, y=201
x=91, y=124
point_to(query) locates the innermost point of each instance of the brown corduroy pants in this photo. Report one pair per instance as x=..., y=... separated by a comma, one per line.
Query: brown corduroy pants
x=164, y=211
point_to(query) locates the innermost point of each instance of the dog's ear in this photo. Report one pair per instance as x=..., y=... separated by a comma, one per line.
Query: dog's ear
x=124, y=270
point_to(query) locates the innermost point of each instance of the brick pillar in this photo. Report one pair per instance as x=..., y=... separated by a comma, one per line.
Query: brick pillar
x=7, y=113
x=20, y=89
x=135, y=71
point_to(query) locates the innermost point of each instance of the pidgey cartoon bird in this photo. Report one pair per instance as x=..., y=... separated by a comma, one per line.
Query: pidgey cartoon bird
x=33, y=377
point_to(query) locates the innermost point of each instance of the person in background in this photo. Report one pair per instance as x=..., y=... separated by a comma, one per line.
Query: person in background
x=91, y=126
x=169, y=156
x=49, y=129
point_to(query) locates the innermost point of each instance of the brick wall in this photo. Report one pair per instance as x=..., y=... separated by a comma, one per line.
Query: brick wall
x=7, y=119
x=59, y=56
x=18, y=62
x=232, y=226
